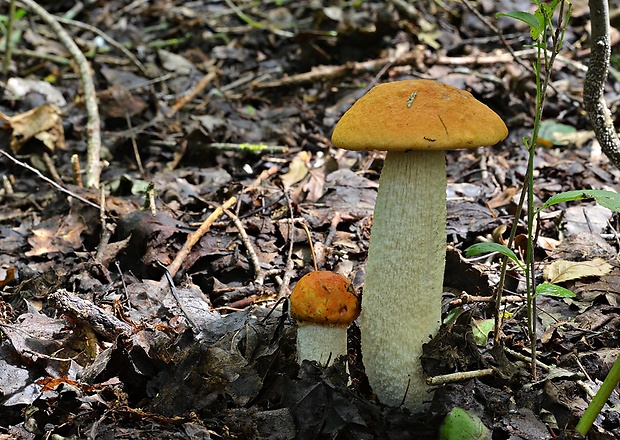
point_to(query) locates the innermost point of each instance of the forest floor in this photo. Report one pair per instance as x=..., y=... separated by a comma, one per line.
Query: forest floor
x=232, y=102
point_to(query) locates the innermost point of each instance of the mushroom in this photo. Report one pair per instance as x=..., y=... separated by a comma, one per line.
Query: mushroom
x=323, y=304
x=414, y=120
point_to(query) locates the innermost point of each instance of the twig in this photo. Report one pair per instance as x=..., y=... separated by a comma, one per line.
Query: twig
x=193, y=238
x=49, y=164
x=106, y=230
x=468, y=299
x=323, y=73
x=77, y=171
x=61, y=61
x=484, y=59
x=122, y=278
x=202, y=84
x=134, y=144
x=8, y=37
x=173, y=291
x=309, y=237
x=93, y=129
x=111, y=41
x=288, y=271
x=247, y=147
x=7, y=186
x=48, y=180
x=259, y=273
x=458, y=377
x=594, y=84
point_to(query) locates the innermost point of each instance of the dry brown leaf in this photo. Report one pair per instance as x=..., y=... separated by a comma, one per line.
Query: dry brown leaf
x=51, y=237
x=562, y=270
x=118, y=102
x=297, y=170
x=43, y=123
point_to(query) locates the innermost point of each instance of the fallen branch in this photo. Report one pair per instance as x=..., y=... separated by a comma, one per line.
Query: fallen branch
x=93, y=129
x=183, y=101
x=48, y=180
x=85, y=312
x=323, y=73
x=111, y=41
x=193, y=238
x=458, y=377
x=259, y=273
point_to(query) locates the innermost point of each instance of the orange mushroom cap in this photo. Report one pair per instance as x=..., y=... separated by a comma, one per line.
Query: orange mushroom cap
x=418, y=114
x=324, y=297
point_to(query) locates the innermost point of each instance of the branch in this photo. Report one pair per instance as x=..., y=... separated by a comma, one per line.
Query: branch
x=593, y=97
x=93, y=130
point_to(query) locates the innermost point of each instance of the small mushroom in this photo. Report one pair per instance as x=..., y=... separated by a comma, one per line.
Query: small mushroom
x=323, y=304
x=414, y=120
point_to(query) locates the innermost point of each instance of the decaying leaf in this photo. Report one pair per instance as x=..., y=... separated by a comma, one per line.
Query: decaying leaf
x=562, y=270
x=118, y=102
x=43, y=123
x=297, y=170
x=52, y=237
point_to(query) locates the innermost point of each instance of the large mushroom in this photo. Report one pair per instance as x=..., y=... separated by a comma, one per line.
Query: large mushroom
x=323, y=304
x=414, y=121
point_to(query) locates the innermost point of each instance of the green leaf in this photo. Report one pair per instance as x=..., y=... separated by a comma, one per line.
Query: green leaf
x=552, y=131
x=462, y=425
x=607, y=199
x=487, y=248
x=481, y=329
x=548, y=289
x=452, y=315
x=530, y=19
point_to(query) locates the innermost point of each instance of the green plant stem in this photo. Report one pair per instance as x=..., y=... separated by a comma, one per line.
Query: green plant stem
x=610, y=382
x=546, y=59
x=541, y=87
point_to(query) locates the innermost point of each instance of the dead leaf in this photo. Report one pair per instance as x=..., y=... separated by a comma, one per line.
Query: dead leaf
x=504, y=199
x=562, y=270
x=588, y=218
x=118, y=102
x=297, y=170
x=53, y=237
x=43, y=123
x=6, y=276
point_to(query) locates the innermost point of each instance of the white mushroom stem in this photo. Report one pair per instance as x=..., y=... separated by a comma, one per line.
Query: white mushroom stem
x=321, y=343
x=401, y=305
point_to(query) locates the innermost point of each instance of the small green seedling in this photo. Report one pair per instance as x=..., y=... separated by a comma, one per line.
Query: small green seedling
x=16, y=35
x=607, y=199
x=544, y=289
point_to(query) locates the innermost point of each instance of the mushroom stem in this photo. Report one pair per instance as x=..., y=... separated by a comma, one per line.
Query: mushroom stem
x=321, y=343
x=404, y=275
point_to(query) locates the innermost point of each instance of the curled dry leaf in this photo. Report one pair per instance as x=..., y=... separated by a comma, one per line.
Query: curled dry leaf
x=562, y=270
x=43, y=123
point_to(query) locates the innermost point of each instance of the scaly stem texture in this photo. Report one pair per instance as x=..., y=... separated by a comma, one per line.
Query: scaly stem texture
x=401, y=305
